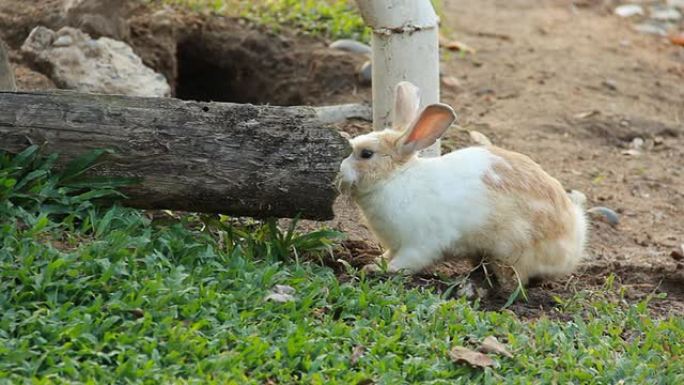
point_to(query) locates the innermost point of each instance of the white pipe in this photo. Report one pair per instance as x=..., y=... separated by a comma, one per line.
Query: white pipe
x=405, y=47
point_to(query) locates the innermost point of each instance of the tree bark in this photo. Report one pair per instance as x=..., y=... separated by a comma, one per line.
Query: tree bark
x=236, y=159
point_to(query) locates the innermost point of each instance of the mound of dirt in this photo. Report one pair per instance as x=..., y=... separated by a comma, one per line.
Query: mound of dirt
x=203, y=56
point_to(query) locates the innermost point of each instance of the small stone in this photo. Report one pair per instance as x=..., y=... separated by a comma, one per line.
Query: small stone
x=678, y=254
x=63, y=41
x=281, y=298
x=352, y=46
x=650, y=28
x=629, y=10
x=665, y=14
x=451, y=82
x=637, y=143
x=281, y=293
x=283, y=289
x=610, y=84
x=606, y=214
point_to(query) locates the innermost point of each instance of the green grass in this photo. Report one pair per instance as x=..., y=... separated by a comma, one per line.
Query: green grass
x=334, y=19
x=100, y=295
x=329, y=18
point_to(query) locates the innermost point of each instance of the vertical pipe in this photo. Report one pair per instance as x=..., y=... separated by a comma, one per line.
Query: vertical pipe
x=405, y=47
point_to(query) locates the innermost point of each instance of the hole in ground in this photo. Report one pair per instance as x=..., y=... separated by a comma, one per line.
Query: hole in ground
x=231, y=63
x=229, y=76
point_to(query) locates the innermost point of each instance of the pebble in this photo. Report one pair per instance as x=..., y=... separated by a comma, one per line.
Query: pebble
x=678, y=254
x=63, y=41
x=610, y=84
x=637, y=143
x=650, y=28
x=351, y=46
x=629, y=10
x=665, y=14
x=609, y=215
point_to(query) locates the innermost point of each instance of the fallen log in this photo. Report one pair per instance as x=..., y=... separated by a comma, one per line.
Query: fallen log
x=236, y=159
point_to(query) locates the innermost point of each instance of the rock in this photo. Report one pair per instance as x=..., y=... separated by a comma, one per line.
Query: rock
x=637, y=143
x=678, y=254
x=30, y=80
x=665, y=14
x=281, y=293
x=98, y=17
x=451, y=82
x=351, y=46
x=75, y=61
x=629, y=10
x=607, y=214
x=610, y=84
x=63, y=41
x=651, y=28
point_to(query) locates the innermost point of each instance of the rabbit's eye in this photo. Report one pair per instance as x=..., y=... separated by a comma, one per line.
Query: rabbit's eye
x=366, y=154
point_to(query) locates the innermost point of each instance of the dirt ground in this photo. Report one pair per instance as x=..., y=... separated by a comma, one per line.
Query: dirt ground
x=567, y=83
x=572, y=87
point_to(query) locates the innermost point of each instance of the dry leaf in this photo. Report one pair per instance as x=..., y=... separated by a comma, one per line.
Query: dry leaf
x=137, y=313
x=281, y=293
x=492, y=345
x=357, y=353
x=283, y=289
x=277, y=297
x=460, y=354
x=456, y=45
x=631, y=152
x=451, y=81
x=677, y=39
x=586, y=114
x=479, y=138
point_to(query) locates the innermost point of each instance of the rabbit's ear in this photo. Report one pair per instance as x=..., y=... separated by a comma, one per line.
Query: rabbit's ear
x=406, y=101
x=430, y=126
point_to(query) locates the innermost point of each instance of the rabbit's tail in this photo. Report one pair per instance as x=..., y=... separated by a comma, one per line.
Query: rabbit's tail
x=577, y=198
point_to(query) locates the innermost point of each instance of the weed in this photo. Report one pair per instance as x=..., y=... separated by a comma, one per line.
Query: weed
x=116, y=295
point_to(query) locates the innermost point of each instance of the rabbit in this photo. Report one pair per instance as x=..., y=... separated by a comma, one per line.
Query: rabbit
x=478, y=201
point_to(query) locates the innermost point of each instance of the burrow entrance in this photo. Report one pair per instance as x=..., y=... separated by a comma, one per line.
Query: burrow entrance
x=229, y=62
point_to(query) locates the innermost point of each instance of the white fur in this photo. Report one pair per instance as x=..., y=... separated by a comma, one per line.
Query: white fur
x=436, y=206
x=429, y=207
x=425, y=207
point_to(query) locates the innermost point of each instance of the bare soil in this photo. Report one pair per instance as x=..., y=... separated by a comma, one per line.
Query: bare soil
x=572, y=87
x=562, y=81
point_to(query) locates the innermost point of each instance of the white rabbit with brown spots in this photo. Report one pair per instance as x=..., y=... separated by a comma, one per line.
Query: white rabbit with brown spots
x=478, y=201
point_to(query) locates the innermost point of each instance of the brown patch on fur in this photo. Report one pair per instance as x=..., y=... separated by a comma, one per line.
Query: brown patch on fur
x=521, y=175
x=538, y=197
